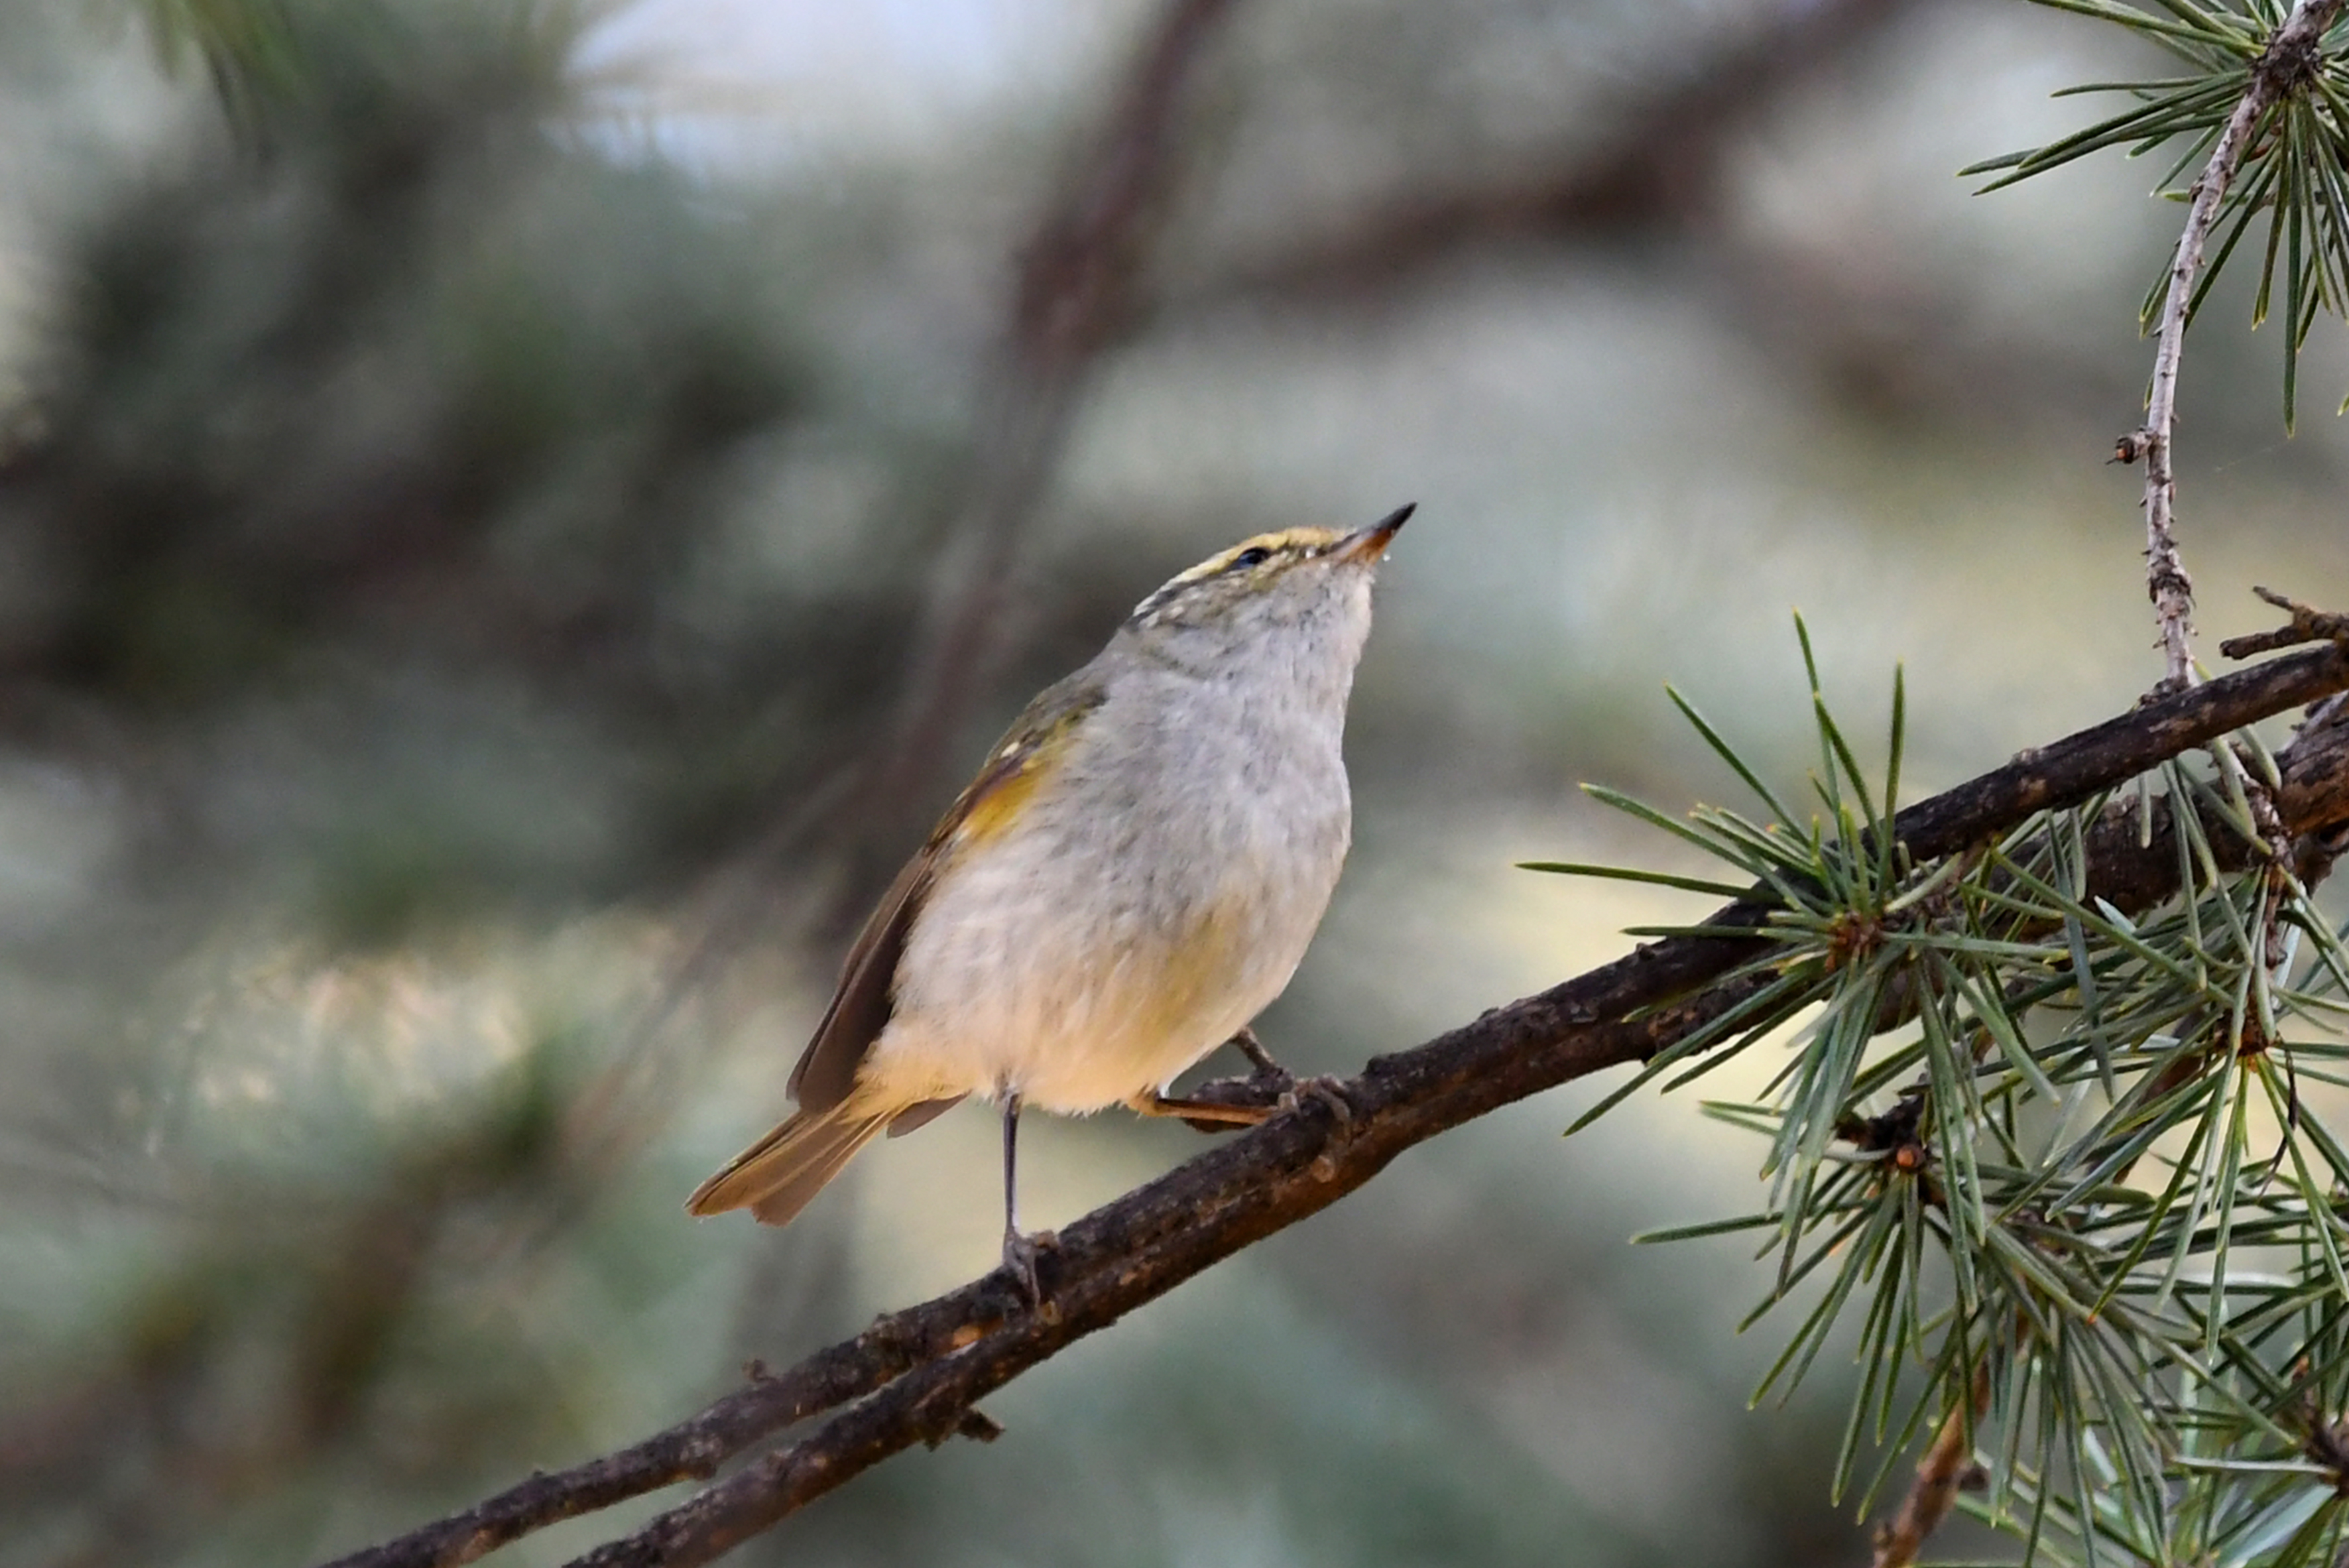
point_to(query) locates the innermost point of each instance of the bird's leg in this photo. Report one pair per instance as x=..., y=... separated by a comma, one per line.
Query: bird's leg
x=1268, y=1091
x=1271, y=1090
x=1248, y=1046
x=1290, y=1086
x=1018, y=1251
x=1218, y=1105
x=1010, y=1167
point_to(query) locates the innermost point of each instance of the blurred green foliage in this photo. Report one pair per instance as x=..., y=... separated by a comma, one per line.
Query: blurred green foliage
x=449, y=510
x=409, y=385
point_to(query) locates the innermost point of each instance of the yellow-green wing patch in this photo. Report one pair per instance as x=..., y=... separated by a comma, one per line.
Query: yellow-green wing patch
x=862, y=1002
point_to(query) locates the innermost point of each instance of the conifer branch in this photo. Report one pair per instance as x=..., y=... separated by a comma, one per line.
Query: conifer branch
x=916, y=1376
x=2289, y=60
x=2308, y=625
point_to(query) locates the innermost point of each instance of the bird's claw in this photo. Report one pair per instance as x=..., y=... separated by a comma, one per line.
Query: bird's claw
x=1323, y=1090
x=1021, y=1252
x=1270, y=1086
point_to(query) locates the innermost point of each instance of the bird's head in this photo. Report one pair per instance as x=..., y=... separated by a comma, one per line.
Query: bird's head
x=1298, y=590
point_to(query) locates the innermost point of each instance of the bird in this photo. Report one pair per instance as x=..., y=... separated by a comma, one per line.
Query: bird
x=1133, y=875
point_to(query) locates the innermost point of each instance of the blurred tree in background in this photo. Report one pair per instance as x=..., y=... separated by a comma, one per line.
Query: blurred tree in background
x=510, y=509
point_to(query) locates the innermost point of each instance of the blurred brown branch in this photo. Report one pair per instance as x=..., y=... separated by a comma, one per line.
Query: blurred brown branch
x=1073, y=295
x=1655, y=164
x=1076, y=292
x=917, y=1375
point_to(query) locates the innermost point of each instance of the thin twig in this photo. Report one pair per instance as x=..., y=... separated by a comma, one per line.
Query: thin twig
x=2287, y=61
x=2307, y=625
x=1076, y=293
x=914, y=1374
x=1942, y=1474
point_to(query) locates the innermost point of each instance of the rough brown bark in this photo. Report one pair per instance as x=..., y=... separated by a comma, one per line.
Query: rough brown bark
x=915, y=1374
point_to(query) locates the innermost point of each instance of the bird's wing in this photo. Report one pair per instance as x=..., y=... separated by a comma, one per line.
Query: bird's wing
x=861, y=1007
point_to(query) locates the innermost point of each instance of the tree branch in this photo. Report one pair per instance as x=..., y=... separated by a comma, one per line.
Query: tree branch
x=2288, y=60
x=1656, y=164
x=1942, y=1474
x=2135, y=866
x=2308, y=625
x=915, y=1374
x=1075, y=294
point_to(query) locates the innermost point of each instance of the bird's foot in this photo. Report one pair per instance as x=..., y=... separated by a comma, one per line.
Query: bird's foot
x=1267, y=1090
x=1221, y=1104
x=1021, y=1252
x=1324, y=1091
x=1286, y=1087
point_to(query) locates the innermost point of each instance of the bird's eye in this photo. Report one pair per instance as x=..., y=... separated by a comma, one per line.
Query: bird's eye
x=1254, y=556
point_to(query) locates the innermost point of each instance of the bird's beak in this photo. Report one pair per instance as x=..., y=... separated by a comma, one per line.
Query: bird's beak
x=1368, y=544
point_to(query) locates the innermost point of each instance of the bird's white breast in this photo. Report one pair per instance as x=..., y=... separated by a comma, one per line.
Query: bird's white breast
x=1153, y=896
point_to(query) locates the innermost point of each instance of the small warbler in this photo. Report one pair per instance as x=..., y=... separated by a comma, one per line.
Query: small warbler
x=1133, y=875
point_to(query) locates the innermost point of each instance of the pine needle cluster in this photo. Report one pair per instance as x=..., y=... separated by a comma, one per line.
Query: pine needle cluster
x=2074, y=1175
x=2291, y=188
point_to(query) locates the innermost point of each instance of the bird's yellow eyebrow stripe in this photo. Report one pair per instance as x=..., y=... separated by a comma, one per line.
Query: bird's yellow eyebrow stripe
x=1288, y=539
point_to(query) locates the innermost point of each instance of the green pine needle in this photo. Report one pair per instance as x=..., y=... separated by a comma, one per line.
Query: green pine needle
x=2017, y=1134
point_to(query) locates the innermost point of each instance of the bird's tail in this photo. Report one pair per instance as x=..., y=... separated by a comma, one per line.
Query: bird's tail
x=778, y=1175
